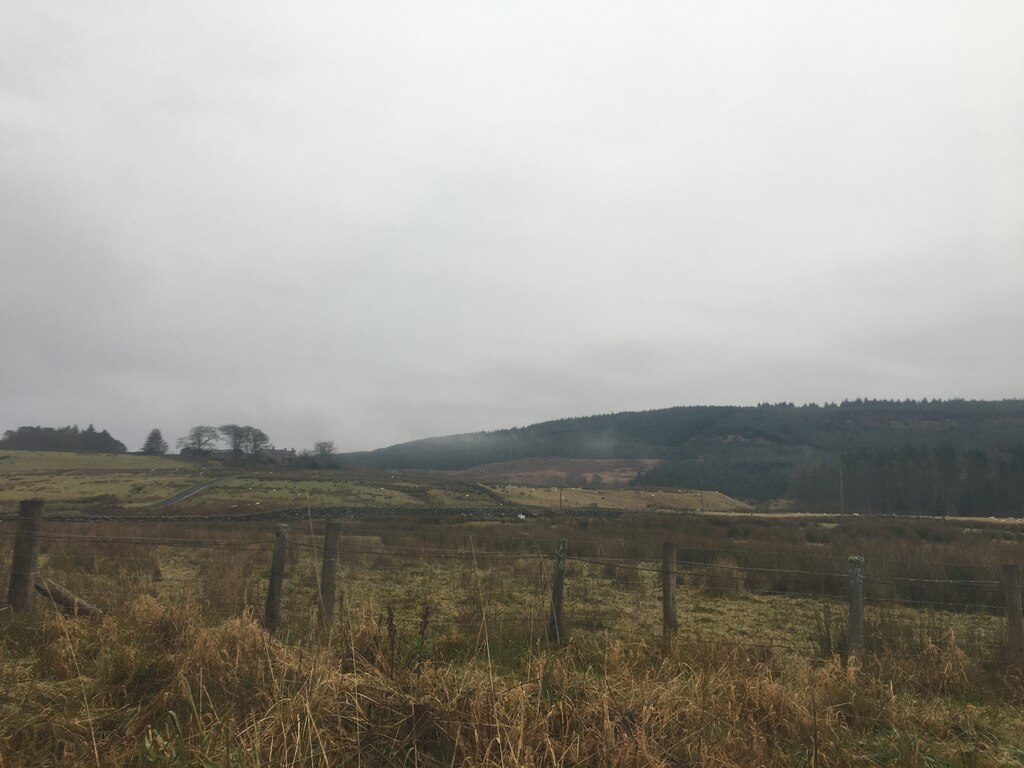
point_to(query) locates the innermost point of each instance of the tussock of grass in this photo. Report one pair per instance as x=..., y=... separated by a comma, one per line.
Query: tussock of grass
x=155, y=686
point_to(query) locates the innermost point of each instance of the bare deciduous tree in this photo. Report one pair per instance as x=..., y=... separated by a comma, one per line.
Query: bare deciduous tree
x=255, y=440
x=235, y=437
x=324, y=452
x=200, y=439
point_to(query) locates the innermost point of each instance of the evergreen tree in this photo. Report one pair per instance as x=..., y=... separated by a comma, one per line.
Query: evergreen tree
x=155, y=444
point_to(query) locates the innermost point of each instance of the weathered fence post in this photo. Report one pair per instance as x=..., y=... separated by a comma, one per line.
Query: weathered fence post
x=856, y=627
x=272, y=613
x=26, y=551
x=669, y=622
x=557, y=583
x=1014, y=618
x=329, y=573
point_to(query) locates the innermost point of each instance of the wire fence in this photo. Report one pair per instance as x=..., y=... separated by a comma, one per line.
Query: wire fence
x=427, y=587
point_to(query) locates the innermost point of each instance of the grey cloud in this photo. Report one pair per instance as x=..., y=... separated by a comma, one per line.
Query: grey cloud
x=371, y=223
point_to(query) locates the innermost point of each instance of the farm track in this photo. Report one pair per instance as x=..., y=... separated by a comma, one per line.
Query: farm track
x=324, y=513
x=190, y=492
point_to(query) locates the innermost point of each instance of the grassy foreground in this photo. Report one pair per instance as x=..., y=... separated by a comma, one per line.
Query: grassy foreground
x=438, y=656
x=156, y=686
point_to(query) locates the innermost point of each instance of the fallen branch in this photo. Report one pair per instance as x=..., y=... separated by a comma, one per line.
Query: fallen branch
x=67, y=601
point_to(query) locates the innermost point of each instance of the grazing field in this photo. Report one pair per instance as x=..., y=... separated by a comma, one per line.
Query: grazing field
x=109, y=482
x=99, y=483
x=84, y=479
x=439, y=653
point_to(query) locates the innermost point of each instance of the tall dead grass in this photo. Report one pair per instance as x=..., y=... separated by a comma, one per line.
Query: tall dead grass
x=460, y=679
x=156, y=686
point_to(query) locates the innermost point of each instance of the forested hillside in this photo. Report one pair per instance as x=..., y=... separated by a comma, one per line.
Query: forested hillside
x=935, y=457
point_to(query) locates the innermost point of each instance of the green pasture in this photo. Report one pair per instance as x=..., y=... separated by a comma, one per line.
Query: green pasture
x=91, y=481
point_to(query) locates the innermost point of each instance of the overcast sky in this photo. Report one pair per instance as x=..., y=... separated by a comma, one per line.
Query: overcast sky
x=376, y=221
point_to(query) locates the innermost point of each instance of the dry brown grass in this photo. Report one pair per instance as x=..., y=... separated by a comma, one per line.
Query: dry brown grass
x=163, y=689
x=441, y=659
x=558, y=471
x=634, y=499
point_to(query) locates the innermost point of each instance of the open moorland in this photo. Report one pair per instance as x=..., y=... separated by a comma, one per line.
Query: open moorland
x=558, y=471
x=439, y=650
x=103, y=483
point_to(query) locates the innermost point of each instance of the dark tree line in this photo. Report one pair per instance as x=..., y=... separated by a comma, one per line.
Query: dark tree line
x=940, y=480
x=961, y=459
x=729, y=435
x=61, y=439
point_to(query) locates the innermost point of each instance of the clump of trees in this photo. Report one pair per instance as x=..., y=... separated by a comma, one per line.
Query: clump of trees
x=322, y=456
x=199, y=440
x=61, y=439
x=243, y=442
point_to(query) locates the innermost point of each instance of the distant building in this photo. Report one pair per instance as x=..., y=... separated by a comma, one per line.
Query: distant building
x=269, y=455
x=278, y=455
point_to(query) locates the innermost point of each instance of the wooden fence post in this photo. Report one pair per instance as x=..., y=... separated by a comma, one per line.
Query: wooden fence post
x=272, y=613
x=26, y=551
x=669, y=622
x=856, y=626
x=557, y=582
x=329, y=573
x=1014, y=618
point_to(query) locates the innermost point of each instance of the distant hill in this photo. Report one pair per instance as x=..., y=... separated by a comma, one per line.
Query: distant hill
x=630, y=435
x=953, y=456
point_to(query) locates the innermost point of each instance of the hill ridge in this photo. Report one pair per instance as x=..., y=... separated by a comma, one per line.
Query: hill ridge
x=777, y=450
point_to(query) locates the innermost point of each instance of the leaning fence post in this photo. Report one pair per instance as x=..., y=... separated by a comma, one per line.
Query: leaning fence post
x=329, y=573
x=557, y=583
x=1014, y=618
x=272, y=613
x=669, y=622
x=856, y=626
x=26, y=551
